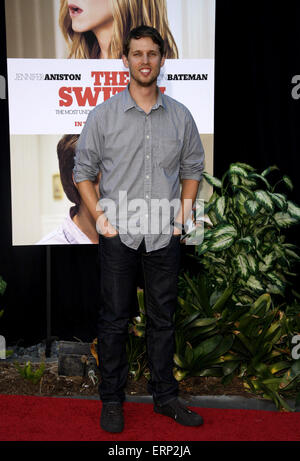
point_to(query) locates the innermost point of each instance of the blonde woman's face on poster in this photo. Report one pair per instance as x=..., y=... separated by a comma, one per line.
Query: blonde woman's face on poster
x=89, y=14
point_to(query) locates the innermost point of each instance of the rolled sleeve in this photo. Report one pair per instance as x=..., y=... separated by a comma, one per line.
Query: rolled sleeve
x=88, y=150
x=192, y=155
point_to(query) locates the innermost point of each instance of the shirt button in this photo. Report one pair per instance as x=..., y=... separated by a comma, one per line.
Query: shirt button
x=147, y=156
x=147, y=177
x=147, y=136
x=147, y=196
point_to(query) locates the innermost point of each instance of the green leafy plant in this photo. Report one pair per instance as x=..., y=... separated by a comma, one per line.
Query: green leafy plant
x=246, y=248
x=263, y=347
x=234, y=316
x=204, y=335
x=27, y=372
x=250, y=341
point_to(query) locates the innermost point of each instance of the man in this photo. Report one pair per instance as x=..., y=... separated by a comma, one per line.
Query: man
x=79, y=226
x=143, y=143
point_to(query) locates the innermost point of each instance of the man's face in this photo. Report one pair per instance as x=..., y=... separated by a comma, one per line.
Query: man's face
x=144, y=61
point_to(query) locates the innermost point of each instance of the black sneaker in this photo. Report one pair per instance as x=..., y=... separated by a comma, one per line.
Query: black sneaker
x=112, y=419
x=178, y=410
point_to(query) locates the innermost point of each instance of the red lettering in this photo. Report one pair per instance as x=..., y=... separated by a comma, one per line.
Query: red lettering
x=111, y=78
x=97, y=76
x=87, y=96
x=124, y=78
x=66, y=98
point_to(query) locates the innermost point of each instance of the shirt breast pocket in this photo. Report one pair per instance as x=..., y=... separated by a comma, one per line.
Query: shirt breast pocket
x=167, y=154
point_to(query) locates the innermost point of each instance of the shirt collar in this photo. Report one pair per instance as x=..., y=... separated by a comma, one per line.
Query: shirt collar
x=128, y=101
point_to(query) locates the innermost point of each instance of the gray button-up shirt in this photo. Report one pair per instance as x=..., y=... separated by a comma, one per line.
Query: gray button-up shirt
x=142, y=158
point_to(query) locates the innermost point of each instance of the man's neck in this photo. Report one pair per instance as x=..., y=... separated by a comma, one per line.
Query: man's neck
x=145, y=97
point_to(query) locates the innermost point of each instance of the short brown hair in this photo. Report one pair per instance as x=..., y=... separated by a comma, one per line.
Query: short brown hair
x=144, y=31
x=66, y=154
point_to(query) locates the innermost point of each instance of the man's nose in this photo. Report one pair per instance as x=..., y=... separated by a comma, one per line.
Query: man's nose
x=145, y=58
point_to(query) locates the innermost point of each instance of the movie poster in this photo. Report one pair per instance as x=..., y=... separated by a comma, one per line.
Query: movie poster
x=64, y=58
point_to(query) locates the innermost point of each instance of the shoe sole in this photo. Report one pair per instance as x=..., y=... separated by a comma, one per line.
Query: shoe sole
x=113, y=431
x=177, y=420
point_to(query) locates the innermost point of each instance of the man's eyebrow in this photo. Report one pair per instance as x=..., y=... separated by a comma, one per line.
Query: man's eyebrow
x=149, y=51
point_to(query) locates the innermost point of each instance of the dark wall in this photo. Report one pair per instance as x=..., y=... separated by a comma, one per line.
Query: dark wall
x=256, y=121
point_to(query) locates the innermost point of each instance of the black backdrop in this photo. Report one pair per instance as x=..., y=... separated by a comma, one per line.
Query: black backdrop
x=256, y=121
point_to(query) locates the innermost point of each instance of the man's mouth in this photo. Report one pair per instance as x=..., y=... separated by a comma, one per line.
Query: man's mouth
x=75, y=10
x=145, y=71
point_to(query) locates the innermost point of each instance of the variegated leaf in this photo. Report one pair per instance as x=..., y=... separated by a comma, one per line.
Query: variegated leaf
x=264, y=199
x=273, y=277
x=220, y=208
x=210, y=202
x=238, y=170
x=279, y=200
x=268, y=170
x=255, y=284
x=268, y=262
x=212, y=216
x=224, y=229
x=292, y=254
x=288, y=182
x=291, y=246
x=249, y=182
x=274, y=289
x=293, y=210
x=234, y=179
x=245, y=166
x=284, y=219
x=239, y=199
x=241, y=264
x=201, y=249
x=252, y=264
x=247, y=241
x=252, y=207
x=221, y=243
x=208, y=233
x=212, y=180
x=279, y=252
x=245, y=299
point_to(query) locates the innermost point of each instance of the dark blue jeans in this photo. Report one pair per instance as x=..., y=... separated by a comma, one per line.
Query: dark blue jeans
x=118, y=274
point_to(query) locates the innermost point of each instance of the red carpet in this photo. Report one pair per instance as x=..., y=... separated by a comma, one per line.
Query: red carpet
x=30, y=418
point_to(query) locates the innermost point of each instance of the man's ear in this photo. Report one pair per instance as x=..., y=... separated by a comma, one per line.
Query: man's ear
x=163, y=61
x=125, y=61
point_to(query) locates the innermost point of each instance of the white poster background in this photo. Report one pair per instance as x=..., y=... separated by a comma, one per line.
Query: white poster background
x=34, y=103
